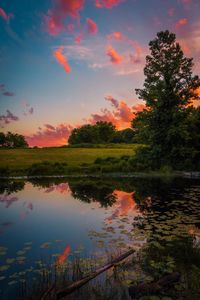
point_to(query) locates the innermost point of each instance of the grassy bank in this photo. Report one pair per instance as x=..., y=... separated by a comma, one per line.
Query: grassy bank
x=67, y=160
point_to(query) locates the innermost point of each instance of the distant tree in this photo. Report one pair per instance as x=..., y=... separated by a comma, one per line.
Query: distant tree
x=101, y=132
x=105, y=131
x=169, y=85
x=124, y=136
x=12, y=140
x=2, y=139
x=84, y=134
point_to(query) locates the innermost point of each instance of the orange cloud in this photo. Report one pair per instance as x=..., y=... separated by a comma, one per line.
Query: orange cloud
x=107, y=3
x=55, y=19
x=117, y=35
x=91, y=26
x=196, y=102
x=115, y=57
x=121, y=116
x=62, y=257
x=124, y=205
x=181, y=23
x=62, y=60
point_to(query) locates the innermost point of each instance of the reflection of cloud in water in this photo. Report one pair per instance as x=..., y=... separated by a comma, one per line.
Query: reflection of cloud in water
x=4, y=226
x=8, y=200
x=63, y=256
x=124, y=205
x=28, y=207
x=60, y=188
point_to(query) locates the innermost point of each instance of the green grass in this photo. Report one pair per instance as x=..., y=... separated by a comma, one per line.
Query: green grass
x=17, y=160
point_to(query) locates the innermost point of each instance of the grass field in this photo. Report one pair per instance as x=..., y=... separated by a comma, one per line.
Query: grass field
x=21, y=159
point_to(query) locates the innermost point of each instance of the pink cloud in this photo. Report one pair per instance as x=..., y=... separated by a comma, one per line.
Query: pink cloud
x=8, y=200
x=181, y=23
x=4, y=15
x=55, y=19
x=107, y=3
x=115, y=57
x=61, y=59
x=186, y=1
x=91, y=26
x=50, y=136
x=8, y=118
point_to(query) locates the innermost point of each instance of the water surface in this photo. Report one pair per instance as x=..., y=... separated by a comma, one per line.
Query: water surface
x=55, y=219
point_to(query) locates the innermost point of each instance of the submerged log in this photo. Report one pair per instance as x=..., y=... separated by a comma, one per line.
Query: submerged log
x=153, y=287
x=76, y=285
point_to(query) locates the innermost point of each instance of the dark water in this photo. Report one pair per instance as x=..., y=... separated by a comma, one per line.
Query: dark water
x=55, y=220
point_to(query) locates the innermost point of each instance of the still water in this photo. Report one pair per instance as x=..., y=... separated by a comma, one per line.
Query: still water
x=57, y=219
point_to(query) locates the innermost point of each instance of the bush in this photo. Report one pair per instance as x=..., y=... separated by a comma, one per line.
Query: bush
x=46, y=168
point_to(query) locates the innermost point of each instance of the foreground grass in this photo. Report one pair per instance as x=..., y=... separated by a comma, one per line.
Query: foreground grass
x=17, y=161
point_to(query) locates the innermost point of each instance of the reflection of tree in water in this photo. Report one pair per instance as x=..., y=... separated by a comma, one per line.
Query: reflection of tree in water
x=89, y=191
x=11, y=186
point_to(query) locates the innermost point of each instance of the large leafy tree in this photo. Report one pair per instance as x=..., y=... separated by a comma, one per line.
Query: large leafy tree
x=168, y=88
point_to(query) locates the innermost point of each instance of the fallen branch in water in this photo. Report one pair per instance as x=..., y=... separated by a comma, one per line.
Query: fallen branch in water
x=76, y=285
x=154, y=287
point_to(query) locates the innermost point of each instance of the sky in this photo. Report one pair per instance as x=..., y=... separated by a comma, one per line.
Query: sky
x=65, y=63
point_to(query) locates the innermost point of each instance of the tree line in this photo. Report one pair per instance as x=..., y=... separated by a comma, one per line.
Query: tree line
x=100, y=133
x=12, y=140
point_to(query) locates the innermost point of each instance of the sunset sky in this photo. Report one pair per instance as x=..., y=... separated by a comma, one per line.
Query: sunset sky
x=68, y=62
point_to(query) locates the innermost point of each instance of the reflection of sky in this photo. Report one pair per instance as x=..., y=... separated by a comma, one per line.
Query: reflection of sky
x=48, y=214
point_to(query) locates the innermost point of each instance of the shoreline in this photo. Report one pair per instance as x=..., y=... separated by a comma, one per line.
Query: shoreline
x=177, y=174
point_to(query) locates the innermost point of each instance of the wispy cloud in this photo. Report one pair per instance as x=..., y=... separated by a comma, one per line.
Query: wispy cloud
x=7, y=118
x=27, y=108
x=4, y=91
x=97, y=54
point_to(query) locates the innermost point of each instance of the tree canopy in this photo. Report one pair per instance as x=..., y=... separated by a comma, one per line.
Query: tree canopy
x=168, y=89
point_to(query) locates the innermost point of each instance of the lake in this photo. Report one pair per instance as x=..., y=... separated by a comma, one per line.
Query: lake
x=53, y=221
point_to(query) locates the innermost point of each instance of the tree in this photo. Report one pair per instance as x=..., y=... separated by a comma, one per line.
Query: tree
x=101, y=132
x=124, y=136
x=2, y=139
x=12, y=140
x=169, y=85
